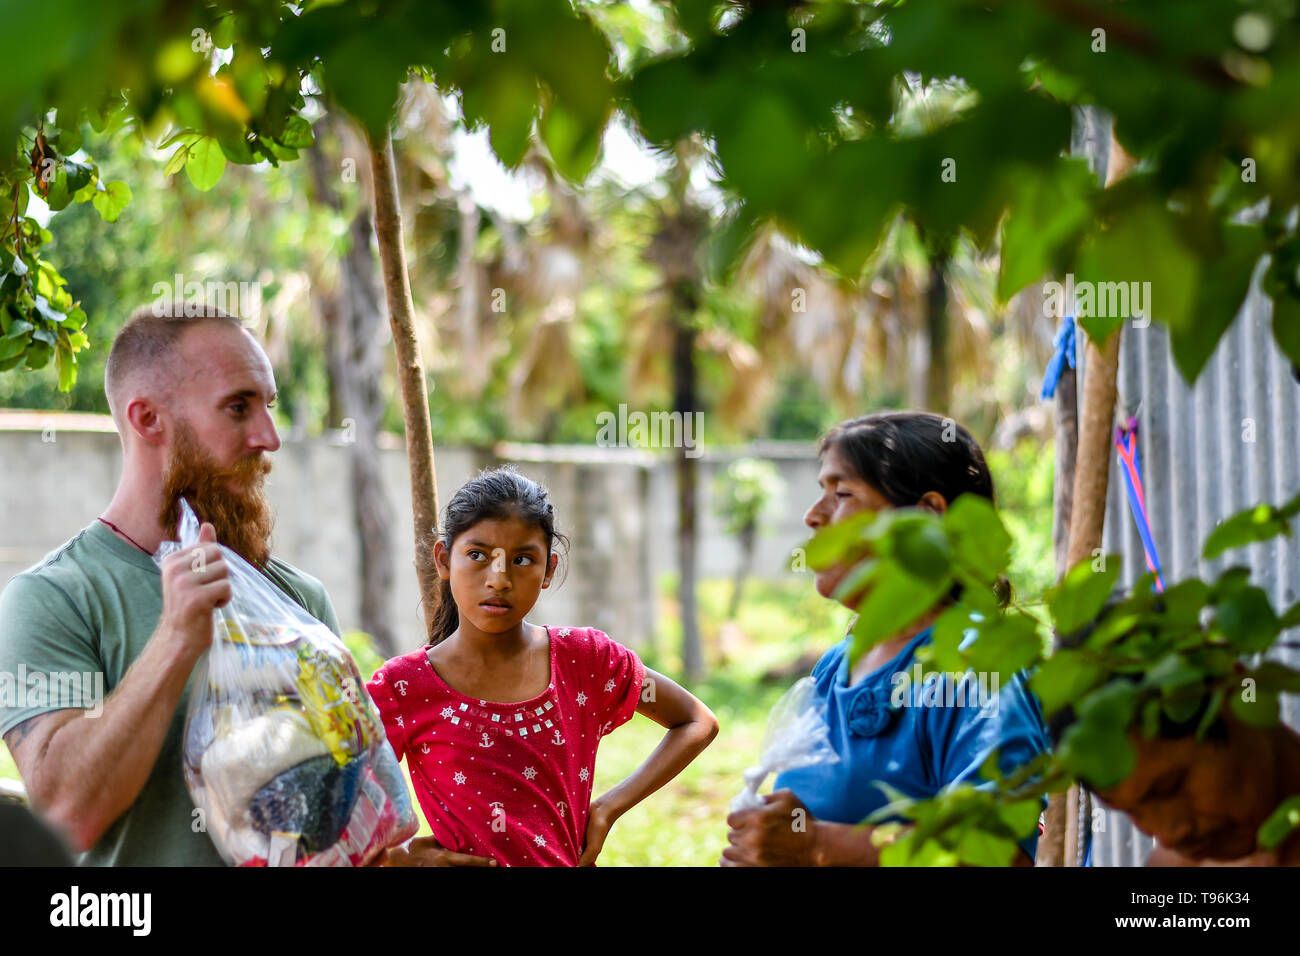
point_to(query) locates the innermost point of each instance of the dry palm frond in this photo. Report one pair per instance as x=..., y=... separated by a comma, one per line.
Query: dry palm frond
x=546, y=376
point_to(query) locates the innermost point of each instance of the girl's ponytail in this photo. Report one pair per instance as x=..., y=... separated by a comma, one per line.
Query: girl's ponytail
x=445, y=616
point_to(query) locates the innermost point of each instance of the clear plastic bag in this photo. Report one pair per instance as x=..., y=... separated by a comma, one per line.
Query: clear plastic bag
x=284, y=751
x=796, y=736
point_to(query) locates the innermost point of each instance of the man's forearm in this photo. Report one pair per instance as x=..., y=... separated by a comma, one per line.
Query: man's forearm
x=91, y=769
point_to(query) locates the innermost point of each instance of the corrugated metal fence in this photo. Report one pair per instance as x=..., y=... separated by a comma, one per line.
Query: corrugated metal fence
x=1208, y=451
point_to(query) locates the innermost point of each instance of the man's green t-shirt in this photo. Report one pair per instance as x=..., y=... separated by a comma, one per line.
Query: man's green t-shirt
x=90, y=607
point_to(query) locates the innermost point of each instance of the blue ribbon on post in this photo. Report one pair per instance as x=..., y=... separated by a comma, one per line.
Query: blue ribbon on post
x=1066, y=344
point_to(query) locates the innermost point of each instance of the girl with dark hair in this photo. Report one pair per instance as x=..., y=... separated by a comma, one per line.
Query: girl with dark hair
x=499, y=719
x=917, y=746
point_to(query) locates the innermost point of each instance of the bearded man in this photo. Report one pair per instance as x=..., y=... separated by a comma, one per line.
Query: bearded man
x=192, y=399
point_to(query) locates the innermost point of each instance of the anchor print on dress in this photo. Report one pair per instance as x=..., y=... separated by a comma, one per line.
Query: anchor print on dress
x=557, y=739
x=485, y=743
x=401, y=687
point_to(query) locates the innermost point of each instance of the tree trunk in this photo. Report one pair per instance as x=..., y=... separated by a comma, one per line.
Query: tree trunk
x=1091, y=481
x=684, y=334
x=372, y=509
x=351, y=313
x=747, y=539
x=938, y=384
x=410, y=370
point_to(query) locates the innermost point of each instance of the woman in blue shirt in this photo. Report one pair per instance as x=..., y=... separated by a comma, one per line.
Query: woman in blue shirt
x=916, y=740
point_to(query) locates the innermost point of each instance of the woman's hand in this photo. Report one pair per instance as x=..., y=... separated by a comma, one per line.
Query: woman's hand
x=425, y=851
x=599, y=822
x=782, y=833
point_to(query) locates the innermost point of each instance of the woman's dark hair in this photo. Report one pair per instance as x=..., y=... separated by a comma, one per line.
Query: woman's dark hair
x=495, y=494
x=903, y=455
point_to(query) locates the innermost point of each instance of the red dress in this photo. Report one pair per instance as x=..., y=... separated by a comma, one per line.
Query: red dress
x=510, y=781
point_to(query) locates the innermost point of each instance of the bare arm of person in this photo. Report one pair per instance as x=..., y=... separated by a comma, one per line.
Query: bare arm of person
x=84, y=771
x=691, y=727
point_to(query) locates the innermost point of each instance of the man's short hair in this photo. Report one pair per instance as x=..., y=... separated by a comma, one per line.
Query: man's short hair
x=148, y=342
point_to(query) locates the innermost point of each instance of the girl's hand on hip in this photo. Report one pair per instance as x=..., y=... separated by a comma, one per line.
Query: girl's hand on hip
x=599, y=822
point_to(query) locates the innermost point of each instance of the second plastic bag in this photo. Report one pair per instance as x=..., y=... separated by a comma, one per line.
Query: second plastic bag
x=796, y=736
x=284, y=753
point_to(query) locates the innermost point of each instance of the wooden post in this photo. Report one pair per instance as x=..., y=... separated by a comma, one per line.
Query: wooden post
x=410, y=369
x=1091, y=483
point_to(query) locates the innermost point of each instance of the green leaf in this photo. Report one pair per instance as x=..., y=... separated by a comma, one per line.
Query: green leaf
x=838, y=541
x=1096, y=748
x=11, y=346
x=1005, y=646
x=944, y=649
x=1212, y=712
x=59, y=196
x=1173, y=670
x=1247, y=619
x=297, y=134
x=38, y=355
x=79, y=175
x=1286, y=325
x=856, y=580
x=1222, y=285
x=979, y=540
x=1082, y=593
x=894, y=601
x=979, y=848
x=1264, y=711
x=1048, y=212
x=112, y=199
x=67, y=365
x=1063, y=678
x=1021, y=817
x=223, y=33
x=185, y=136
x=1280, y=823
x=177, y=160
x=1292, y=617
x=1259, y=523
x=205, y=163
x=572, y=139
x=922, y=549
x=1145, y=245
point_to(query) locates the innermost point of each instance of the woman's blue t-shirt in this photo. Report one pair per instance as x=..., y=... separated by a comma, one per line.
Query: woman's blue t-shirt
x=916, y=739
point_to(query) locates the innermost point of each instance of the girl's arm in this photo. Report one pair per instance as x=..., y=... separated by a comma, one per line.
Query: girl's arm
x=691, y=727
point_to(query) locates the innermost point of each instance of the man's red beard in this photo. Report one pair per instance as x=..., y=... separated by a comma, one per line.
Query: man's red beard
x=242, y=518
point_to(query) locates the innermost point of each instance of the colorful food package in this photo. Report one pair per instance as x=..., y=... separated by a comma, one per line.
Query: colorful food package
x=284, y=752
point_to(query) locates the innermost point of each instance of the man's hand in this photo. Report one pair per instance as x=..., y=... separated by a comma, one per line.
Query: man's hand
x=782, y=833
x=425, y=851
x=599, y=822
x=194, y=582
